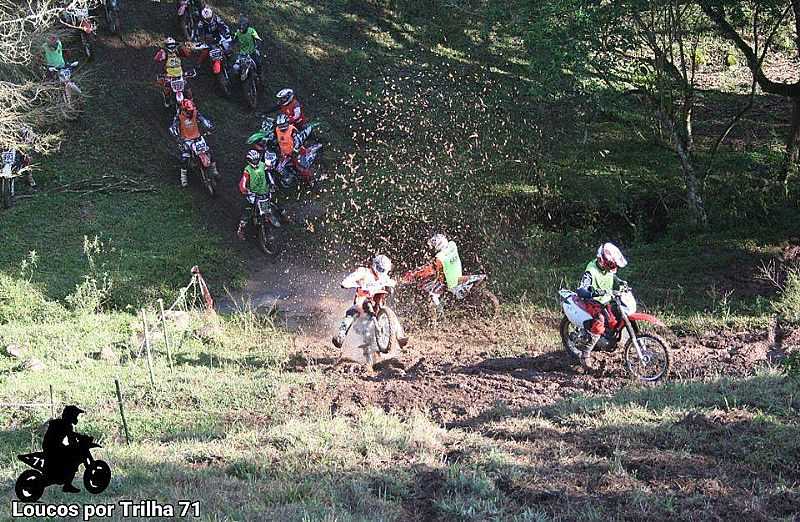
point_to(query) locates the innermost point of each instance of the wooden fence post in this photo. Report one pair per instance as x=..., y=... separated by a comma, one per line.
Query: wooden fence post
x=122, y=413
x=147, y=347
x=166, y=335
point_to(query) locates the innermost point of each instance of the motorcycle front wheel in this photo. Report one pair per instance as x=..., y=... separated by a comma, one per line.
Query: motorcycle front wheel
x=251, y=90
x=97, y=477
x=654, y=362
x=8, y=195
x=30, y=485
x=266, y=240
x=569, y=332
x=287, y=178
x=208, y=182
x=224, y=83
x=383, y=331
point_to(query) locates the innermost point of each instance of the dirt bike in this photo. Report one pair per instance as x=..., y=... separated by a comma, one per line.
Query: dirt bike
x=111, y=8
x=8, y=176
x=175, y=89
x=200, y=161
x=244, y=67
x=72, y=93
x=264, y=140
x=646, y=354
x=265, y=218
x=31, y=483
x=218, y=56
x=470, y=293
x=79, y=19
x=188, y=18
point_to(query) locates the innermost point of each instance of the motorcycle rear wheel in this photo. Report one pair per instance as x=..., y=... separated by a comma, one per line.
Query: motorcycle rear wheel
x=656, y=362
x=484, y=302
x=30, y=485
x=567, y=330
x=383, y=331
x=8, y=195
x=97, y=477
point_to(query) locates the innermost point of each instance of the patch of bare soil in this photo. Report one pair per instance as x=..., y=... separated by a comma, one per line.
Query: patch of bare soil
x=457, y=372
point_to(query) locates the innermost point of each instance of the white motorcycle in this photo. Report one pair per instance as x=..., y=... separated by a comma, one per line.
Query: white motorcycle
x=646, y=354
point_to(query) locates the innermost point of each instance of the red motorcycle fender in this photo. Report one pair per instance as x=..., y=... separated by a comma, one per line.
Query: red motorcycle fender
x=87, y=26
x=216, y=66
x=646, y=318
x=205, y=159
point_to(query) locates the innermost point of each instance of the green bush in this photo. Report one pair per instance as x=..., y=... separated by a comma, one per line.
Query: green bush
x=787, y=306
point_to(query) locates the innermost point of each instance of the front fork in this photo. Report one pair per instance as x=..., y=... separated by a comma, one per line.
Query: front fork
x=632, y=333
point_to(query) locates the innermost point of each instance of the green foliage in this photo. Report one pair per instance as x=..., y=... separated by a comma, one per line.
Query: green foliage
x=787, y=305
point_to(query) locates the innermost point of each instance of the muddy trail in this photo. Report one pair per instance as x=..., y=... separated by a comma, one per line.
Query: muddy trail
x=456, y=371
x=124, y=65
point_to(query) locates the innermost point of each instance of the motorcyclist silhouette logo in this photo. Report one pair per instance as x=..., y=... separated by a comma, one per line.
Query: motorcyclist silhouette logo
x=63, y=452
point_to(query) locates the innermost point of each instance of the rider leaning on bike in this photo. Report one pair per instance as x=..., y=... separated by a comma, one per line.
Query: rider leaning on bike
x=54, y=53
x=249, y=42
x=596, y=287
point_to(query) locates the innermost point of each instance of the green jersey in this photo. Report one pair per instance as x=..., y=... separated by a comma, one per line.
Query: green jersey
x=54, y=57
x=258, y=178
x=601, y=281
x=247, y=40
x=451, y=264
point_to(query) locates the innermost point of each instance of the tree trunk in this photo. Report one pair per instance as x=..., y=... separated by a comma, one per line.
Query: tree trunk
x=792, y=146
x=679, y=141
x=692, y=193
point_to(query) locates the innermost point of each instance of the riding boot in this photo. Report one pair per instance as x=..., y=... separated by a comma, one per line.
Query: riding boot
x=31, y=181
x=341, y=333
x=240, y=230
x=586, y=352
x=184, y=178
x=214, y=171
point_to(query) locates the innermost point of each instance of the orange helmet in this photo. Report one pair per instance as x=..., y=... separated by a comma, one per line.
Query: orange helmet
x=188, y=106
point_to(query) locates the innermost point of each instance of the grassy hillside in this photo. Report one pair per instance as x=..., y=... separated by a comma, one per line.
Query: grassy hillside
x=429, y=124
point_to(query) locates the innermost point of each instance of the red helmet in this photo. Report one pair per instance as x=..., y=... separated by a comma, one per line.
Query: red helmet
x=188, y=106
x=609, y=257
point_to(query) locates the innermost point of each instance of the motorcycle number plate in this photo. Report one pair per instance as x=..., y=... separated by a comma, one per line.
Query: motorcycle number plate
x=263, y=206
x=8, y=157
x=65, y=73
x=199, y=146
x=215, y=54
x=81, y=12
x=177, y=85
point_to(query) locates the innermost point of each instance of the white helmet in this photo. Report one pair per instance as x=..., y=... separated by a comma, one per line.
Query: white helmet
x=437, y=242
x=609, y=257
x=285, y=96
x=170, y=43
x=253, y=157
x=382, y=264
x=207, y=13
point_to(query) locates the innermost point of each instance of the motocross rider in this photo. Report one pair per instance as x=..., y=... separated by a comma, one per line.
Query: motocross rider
x=446, y=263
x=60, y=446
x=596, y=287
x=290, y=105
x=289, y=144
x=256, y=180
x=366, y=281
x=249, y=42
x=54, y=52
x=186, y=126
x=212, y=30
x=171, y=55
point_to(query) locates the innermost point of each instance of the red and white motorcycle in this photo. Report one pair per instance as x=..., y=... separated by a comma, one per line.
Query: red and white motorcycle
x=471, y=292
x=646, y=354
